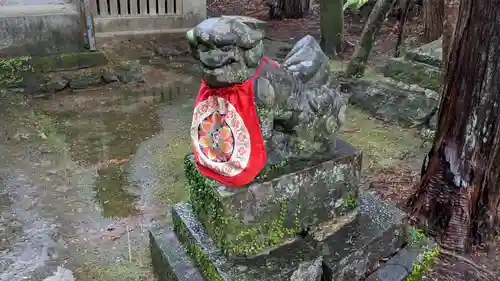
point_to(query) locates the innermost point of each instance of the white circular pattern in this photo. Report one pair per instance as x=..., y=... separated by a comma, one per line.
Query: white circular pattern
x=242, y=146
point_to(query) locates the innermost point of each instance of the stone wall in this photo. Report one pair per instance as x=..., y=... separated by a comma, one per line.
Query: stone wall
x=28, y=29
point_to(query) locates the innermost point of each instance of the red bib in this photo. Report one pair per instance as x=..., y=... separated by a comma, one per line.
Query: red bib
x=225, y=133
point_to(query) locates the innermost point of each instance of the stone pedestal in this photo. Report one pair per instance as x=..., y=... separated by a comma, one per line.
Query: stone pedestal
x=297, y=222
x=283, y=201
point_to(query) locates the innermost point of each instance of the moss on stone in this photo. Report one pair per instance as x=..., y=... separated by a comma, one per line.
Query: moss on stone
x=14, y=70
x=197, y=254
x=68, y=61
x=410, y=72
x=272, y=233
x=424, y=58
x=421, y=267
x=229, y=234
x=352, y=201
x=270, y=170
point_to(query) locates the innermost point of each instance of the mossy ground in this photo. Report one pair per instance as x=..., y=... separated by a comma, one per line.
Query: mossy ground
x=383, y=145
x=168, y=165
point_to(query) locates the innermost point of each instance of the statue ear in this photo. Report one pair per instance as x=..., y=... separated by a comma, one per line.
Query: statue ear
x=193, y=43
x=254, y=55
x=190, y=37
x=251, y=38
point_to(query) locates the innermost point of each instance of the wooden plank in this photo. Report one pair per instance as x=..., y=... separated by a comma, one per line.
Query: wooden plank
x=178, y=7
x=133, y=7
x=92, y=6
x=161, y=7
x=103, y=8
x=113, y=5
x=152, y=7
x=83, y=25
x=144, y=8
x=89, y=23
x=170, y=7
x=123, y=7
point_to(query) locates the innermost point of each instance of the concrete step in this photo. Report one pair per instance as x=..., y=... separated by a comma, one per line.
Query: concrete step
x=410, y=263
x=39, y=30
x=350, y=249
x=413, y=72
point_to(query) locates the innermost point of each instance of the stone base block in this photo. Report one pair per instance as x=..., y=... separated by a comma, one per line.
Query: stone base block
x=284, y=200
x=352, y=245
x=170, y=260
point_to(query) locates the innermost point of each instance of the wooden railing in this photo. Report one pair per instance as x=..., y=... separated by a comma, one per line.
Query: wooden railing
x=124, y=8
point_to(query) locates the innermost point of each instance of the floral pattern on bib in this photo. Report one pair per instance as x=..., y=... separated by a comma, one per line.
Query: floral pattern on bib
x=220, y=136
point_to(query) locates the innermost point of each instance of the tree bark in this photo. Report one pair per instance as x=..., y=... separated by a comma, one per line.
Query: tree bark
x=450, y=21
x=433, y=19
x=357, y=64
x=405, y=8
x=332, y=26
x=459, y=190
x=291, y=9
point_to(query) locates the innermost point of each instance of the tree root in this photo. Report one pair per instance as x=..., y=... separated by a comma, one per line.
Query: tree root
x=481, y=270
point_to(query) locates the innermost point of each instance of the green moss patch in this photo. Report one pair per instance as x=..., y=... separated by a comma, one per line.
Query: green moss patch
x=69, y=61
x=197, y=254
x=425, y=261
x=230, y=234
x=382, y=144
x=13, y=71
x=410, y=72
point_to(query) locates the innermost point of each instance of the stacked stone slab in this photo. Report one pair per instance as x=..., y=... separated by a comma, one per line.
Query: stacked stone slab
x=297, y=221
x=408, y=92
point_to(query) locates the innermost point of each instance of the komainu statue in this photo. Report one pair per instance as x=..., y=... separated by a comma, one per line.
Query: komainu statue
x=252, y=111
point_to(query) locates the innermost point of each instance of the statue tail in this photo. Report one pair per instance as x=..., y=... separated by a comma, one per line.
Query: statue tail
x=307, y=61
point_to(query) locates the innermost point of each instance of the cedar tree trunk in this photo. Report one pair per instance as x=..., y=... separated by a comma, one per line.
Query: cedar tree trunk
x=450, y=21
x=357, y=64
x=291, y=9
x=332, y=26
x=433, y=19
x=459, y=190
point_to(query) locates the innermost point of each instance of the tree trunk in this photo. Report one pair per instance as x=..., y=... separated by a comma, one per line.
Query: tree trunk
x=405, y=8
x=459, y=190
x=291, y=9
x=357, y=65
x=450, y=21
x=331, y=15
x=433, y=19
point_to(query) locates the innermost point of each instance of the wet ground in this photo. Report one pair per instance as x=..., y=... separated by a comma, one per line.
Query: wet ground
x=82, y=176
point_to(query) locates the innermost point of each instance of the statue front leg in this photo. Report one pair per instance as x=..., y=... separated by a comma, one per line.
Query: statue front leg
x=268, y=109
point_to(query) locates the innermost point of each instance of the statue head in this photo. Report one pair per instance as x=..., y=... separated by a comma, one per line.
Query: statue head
x=227, y=49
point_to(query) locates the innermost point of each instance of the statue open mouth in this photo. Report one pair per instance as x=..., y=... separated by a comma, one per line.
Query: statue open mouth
x=223, y=69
